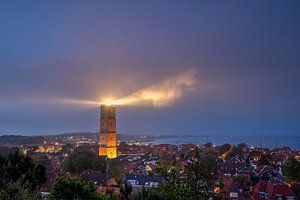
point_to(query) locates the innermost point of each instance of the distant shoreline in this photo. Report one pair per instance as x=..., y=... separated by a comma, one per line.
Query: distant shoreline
x=292, y=141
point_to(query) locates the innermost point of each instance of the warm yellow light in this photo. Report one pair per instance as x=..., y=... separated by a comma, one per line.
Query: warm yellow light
x=107, y=102
x=110, y=102
x=162, y=93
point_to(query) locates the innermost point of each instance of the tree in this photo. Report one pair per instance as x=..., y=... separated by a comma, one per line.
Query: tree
x=242, y=146
x=108, y=196
x=73, y=188
x=142, y=195
x=194, y=181
x=16, y=167
x=235, y=151
x=83, y=159
x=125, y=191
x=242, y=182
x=208, y=144
x=201, y=172
x=168, y=192
x=265, y=159
x=67, y=148
x=123, y=147
x=223, y=149
x=256, y=154
x=20, y=177
x=292, y=170
x=5, y=151
x=165, y=161
x=19, y=191
x=116, y=169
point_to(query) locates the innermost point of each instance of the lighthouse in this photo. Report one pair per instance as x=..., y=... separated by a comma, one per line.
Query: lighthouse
x=108, y=133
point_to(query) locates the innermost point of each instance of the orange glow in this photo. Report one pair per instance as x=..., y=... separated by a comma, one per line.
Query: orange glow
x=107, y=135
x=112, y=152
x=163, y=93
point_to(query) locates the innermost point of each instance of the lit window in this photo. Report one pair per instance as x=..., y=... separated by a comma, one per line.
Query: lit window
x=233, y=194
x=290, y=198
x=261, y=194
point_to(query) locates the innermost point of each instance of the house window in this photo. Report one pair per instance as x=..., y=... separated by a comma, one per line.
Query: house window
x=233, y=194
x=153, y=184
x=290, y=198
x=132, y=182
x=279, y=197
x=261, y=194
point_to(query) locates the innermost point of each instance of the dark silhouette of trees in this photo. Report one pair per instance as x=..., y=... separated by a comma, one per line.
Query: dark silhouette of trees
x=125, y=191
x=19, y=191
x=72, y=188
x=224, y=148
x=16, y=166
x=83, y=159
x=201, y=171
x=242, y=182
x=20, y=177
x=265, y=159
x=291, y=170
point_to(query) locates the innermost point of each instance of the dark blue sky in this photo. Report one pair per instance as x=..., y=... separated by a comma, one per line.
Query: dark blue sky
x=247, y=54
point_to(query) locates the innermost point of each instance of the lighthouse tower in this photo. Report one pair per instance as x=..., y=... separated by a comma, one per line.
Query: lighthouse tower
x=108, y=133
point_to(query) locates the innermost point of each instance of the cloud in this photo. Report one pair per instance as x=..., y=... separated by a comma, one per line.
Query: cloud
x=163, y=93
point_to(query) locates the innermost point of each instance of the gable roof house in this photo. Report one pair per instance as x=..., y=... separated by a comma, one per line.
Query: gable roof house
x=267, y=190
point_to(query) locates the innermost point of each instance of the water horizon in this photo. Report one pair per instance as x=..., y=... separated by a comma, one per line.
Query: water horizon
x=265, y=141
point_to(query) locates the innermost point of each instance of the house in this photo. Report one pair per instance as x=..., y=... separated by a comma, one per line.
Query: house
x=231, y=190
x=259, y=190
x=264, y=170
x=267, y=190
x=98, y=178
x=229, y=168
x=106, y=189
x=164, y=149
x=245, y=170
x=138, y=182
x=233, y=159
x=270, y=172
x=278, y=159
x=150, y=167
x=130, y=168
x=234, y=193
x=188, y=147
x=282, y=150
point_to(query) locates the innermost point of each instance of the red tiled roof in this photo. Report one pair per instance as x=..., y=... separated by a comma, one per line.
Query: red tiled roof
x=279, y=188
x=272, y=189
x=227, y=184
x=259, y=187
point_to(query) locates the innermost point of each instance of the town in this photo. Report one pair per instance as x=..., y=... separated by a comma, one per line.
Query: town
x=225, y=172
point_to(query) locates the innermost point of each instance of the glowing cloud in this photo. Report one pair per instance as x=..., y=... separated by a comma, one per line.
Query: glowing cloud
x=161, y=94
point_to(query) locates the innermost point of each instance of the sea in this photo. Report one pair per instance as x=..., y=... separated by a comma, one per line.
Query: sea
x=267, y=141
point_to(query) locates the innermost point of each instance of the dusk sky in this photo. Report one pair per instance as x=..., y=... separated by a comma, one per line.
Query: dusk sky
x=244, y=55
